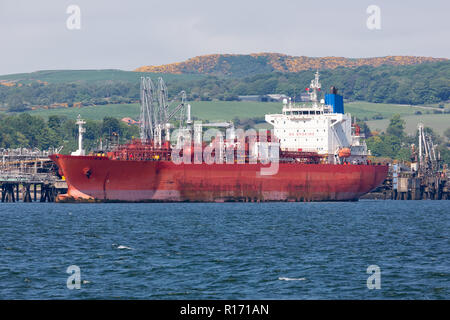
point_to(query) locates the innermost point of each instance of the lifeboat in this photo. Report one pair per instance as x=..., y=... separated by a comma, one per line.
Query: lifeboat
x=344, y=153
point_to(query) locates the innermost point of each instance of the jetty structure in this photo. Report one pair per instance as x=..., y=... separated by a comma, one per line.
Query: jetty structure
x=29, y=175
x=425, y=177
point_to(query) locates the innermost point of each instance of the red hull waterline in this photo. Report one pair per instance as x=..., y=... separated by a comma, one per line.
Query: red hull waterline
x=93, y=178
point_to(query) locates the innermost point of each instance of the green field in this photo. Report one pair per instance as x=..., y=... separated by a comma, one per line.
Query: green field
x=93, y=112
x=438, y=122
x=224, y=110
x=362, y=109
x=60, y=76
x=204, y=110
x=228, y=110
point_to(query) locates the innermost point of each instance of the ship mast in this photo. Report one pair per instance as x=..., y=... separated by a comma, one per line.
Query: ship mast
x=314, y=87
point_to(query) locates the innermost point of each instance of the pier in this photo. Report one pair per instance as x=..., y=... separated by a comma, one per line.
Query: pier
x=408, y=185
x=425, y=178
x=29, y=175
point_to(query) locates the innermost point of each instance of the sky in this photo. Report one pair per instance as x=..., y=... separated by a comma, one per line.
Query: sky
x=128, y=34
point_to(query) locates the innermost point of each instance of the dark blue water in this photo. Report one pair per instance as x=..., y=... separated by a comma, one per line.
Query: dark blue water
x=226, y=251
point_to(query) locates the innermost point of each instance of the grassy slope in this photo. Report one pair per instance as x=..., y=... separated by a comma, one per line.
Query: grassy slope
x=94, y=112
x=224, y=110
x=220, y=110
x=59, y=76
x=438, y=122
x=363, y=109
x=204, y=110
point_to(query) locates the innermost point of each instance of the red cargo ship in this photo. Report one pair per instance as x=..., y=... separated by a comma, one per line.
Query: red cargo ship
x=314, y=154
x=103, y=179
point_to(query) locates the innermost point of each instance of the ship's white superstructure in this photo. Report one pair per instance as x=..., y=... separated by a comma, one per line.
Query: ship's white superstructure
x=315, y=127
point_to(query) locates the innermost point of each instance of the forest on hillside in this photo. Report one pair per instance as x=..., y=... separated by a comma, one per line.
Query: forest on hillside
x=426, y=83
x=241, y=65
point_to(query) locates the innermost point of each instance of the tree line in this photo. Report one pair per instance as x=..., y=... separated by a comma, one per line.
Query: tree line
x=426, y=83
x=27, y=131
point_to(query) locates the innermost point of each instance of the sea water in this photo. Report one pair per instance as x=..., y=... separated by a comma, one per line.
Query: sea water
x=226, y=250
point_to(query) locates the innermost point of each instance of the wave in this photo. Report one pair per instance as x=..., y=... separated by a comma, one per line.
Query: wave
x=291, y=279
x=121, y=247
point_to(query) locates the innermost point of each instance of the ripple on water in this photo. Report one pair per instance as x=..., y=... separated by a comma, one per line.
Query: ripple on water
x=226, y=251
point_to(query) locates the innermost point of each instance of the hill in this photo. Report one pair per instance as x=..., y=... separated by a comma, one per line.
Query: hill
x=419, y=84
x=257, y=63
x=73, y=76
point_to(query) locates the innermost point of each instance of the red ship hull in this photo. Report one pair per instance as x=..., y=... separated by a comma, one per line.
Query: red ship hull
x=92, y=178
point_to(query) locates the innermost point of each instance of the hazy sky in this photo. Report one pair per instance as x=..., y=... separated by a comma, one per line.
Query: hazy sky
x=130, y=33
